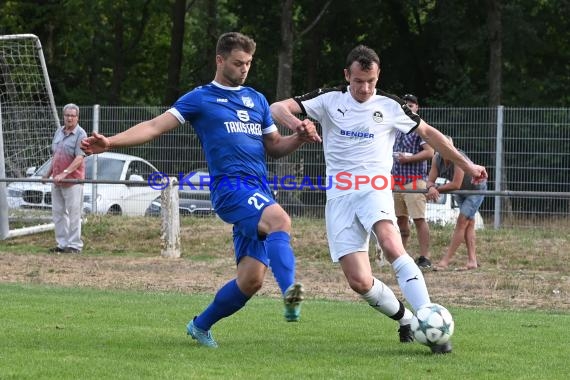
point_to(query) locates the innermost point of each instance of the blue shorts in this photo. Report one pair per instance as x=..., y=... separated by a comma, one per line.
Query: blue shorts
x=469, y=204
x=245, y=246
x=243, y=208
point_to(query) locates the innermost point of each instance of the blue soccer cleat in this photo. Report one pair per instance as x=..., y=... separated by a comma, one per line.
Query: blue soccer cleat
x=292, y=299
x=202, y=336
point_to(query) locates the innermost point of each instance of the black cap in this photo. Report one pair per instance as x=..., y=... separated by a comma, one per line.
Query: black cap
x=410, y=98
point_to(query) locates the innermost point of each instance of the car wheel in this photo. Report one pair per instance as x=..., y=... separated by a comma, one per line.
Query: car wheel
x=114, y=210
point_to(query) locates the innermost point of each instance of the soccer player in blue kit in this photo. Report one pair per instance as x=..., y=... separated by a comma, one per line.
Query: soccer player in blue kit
x=235, y=128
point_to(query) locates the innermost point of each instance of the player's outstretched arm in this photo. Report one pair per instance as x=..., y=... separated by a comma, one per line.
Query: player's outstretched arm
x=136, y=135
x=96, y=143
x=283, y=113
x=278, y=146
x=442, y=145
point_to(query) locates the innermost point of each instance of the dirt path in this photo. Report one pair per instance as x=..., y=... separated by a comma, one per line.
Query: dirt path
x=486, y=287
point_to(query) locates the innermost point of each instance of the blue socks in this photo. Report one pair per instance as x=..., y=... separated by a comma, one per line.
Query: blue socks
x=227, y=301
x=281, y=258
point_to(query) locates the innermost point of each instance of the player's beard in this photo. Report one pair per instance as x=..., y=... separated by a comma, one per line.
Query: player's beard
x=235, y=80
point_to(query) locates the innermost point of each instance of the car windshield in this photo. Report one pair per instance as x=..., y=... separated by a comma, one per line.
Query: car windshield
x=43, y=169
x=107, y=168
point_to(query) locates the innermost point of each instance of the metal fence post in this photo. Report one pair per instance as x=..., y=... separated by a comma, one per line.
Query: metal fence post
x=498, y=166
x=96, y=111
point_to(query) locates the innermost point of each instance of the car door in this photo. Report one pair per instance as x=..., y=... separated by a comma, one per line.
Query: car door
x=138, y=196
x=103, y=198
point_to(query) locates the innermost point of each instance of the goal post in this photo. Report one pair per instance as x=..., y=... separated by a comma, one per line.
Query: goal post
x=28, y=115
x=4, y=223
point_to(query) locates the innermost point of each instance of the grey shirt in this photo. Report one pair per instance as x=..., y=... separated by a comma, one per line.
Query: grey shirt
x=448, y=172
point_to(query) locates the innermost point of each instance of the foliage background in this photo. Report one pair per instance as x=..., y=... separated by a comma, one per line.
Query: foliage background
x=119, y=52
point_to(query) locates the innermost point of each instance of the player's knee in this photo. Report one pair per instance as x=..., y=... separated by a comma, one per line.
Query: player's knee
x=393, y=248
x=359, y=284
x=281, y=222
x=273, y=219
x=405, y=233
x=286, y=221
x=250, y=286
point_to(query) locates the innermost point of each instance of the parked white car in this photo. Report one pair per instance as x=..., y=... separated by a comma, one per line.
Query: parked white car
x=445, y=211
x=121, y=199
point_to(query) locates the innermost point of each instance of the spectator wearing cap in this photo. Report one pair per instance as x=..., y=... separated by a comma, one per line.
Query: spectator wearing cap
x=411, y=101
x=411, y=155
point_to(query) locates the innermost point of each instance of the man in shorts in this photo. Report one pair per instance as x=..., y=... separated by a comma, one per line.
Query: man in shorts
x=411, y=154
x=359, y=124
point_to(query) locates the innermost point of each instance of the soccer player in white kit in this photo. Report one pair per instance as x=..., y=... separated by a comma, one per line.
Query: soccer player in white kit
x=359, y=124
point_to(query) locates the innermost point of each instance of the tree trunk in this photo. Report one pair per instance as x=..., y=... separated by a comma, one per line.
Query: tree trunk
x=209, y=67
x=285, y=65
x=312, y=61
x=175, y=56
x=288, y=199
x=495, y=52
x=118, y=57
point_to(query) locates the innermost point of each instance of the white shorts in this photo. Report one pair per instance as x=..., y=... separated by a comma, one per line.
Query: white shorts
x=350, y=219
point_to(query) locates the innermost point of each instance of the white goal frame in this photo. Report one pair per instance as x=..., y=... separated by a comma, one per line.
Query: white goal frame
x=5, y=231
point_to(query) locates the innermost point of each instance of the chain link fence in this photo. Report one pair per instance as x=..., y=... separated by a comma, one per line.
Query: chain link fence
x=525, y=151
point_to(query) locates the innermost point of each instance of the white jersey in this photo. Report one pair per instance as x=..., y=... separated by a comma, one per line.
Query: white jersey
x=357, y=137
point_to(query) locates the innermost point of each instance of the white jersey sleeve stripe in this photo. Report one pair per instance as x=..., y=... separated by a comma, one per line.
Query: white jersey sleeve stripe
x=272, y=128
x=177, y=115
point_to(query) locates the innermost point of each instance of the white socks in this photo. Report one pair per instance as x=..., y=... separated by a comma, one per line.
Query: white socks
x=383, y=299
x=411, y=281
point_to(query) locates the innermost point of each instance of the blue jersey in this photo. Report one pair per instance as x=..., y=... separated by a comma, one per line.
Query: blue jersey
x=230, y=123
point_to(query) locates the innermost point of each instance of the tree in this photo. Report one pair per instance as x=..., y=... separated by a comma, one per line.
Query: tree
x=495, y=51
x=178, y=15
x=285, y=62
x=447, y=52
x=285, y=66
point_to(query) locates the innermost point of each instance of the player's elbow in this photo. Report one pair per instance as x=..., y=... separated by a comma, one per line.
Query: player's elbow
x=282, y=108
x=275, y=153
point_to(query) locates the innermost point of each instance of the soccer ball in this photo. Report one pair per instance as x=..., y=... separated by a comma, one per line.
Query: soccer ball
x=432, y=325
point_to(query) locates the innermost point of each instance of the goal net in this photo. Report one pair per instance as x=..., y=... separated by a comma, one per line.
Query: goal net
x=28, y=115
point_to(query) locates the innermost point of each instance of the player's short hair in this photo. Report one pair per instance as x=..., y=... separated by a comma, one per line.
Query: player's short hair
x=364, y=55
x=234, y=40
